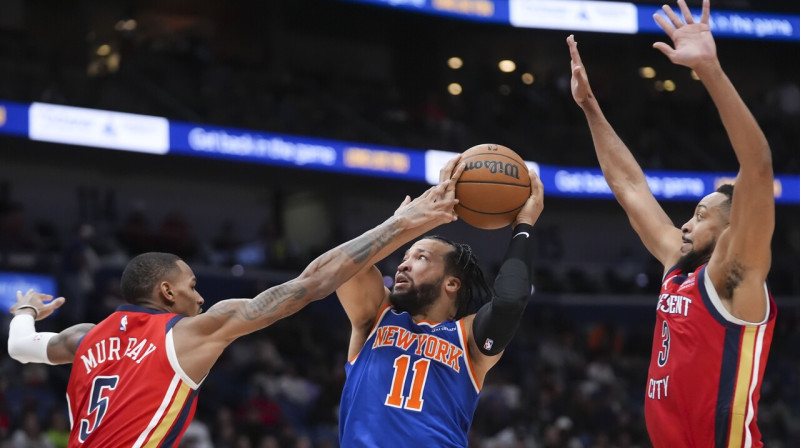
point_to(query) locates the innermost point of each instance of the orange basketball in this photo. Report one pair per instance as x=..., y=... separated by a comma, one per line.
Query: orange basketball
x=493, y=187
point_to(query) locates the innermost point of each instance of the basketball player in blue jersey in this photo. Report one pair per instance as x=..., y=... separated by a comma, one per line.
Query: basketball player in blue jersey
x=714, y=316
x=418, y=355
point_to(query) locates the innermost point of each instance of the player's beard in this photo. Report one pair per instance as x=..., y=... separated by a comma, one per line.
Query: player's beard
x=694, y=258
x=417, y=299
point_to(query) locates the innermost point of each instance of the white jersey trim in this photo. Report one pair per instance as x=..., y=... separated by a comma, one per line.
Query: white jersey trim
x=748, y=435
x=173, y=361
x=69, y=408
x=717, y=302
x=173, y=385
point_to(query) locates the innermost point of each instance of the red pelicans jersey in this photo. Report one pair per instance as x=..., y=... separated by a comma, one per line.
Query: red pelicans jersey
x=126, y=388
x=706, y=367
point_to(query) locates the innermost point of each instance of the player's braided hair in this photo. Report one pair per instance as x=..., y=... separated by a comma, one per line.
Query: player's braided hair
x=462, y=263
x=142, y=274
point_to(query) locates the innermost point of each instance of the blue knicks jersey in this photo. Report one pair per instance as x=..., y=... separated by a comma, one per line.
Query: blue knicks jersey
x=411, y=385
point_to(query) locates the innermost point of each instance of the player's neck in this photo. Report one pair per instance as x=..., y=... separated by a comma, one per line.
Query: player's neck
x=439, y=312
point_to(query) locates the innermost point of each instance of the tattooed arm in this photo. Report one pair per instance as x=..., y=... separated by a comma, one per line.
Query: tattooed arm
x=200, y=340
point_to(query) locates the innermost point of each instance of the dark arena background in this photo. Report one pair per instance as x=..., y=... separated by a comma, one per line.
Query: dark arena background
x=277, y=129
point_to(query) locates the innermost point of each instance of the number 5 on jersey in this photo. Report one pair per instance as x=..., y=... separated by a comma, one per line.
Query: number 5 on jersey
x=414, y=400
x=98, y=402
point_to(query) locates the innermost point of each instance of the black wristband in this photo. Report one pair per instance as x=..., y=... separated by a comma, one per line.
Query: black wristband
x=521, y=245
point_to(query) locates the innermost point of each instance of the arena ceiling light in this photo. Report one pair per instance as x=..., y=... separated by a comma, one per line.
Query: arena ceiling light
x=507, y=66
x=455, y=63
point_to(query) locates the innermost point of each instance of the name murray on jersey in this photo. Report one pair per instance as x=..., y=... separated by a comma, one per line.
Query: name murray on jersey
x=427, y=345
x=111, y=349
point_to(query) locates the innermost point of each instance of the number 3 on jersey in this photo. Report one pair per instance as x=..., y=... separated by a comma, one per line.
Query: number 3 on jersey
x=414, y=401
x=98, y=403
x=663, y=354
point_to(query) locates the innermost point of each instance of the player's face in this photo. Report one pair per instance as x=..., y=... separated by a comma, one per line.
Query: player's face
x=700, y=233
x=419, y=278
x=188, y=301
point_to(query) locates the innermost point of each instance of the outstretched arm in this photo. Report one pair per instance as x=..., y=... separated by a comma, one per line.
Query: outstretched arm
x=365, y=294
x=200, y=340
x=623, y=173
x=494, y=325
x=26, y=345
x=741, y=259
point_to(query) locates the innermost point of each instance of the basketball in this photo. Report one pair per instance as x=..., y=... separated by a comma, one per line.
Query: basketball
x=493, y=187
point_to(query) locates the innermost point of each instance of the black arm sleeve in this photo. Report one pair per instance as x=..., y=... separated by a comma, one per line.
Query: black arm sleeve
x=497, y=321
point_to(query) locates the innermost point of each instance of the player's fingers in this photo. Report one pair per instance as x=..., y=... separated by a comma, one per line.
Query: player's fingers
x=664, y=48
x=664, y=24
x=573, y=50
x=405, y=202
x=687, y=15
x=457, y=174
x=536, y=183
x=676, y=21
x=438, y=191
x=706, y=12
x=447, y=169
x=55, y=304
x=578, y=73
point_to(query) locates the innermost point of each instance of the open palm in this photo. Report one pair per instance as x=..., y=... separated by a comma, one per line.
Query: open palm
x=693, y=43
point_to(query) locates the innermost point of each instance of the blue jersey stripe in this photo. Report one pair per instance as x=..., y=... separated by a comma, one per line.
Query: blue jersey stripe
x=171, y=438
x=727, y=385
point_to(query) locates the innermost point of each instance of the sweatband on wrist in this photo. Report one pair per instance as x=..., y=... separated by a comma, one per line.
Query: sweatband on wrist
x=521, y=245
x=30, y=307
x=24, y=343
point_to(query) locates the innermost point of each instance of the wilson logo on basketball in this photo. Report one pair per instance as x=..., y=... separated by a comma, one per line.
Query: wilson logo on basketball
x=494, y=167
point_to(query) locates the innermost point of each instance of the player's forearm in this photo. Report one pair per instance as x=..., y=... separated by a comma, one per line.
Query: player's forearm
x=324, y=274
x=24, y=343
x=496, y=322
x=747, y=138
x=619, y=167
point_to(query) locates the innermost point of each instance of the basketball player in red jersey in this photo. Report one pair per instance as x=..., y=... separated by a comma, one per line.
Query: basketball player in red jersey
x=135, y=376
x=715, y=316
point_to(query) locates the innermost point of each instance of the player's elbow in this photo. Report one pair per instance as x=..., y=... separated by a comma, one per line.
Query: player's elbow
x=17, y=352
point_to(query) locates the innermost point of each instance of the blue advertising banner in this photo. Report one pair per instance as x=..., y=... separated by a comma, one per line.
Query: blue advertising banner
x=301, y=152
x=665, y=185
x=157, y=135
x=14, y=118
x=736, y=24
x=11, y=282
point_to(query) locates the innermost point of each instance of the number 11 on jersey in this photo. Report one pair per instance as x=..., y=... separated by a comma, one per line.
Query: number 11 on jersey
x=414, y=400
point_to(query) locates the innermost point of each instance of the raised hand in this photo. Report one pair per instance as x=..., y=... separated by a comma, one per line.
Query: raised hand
x=530, y=211
x=434, y=206
x=581, y=90
x=36, y=301
x=694, y=45
x=437, y=203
